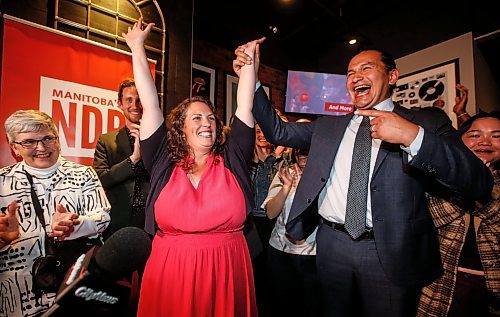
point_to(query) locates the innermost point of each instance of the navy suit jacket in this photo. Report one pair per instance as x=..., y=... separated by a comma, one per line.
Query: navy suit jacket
x=405, y=235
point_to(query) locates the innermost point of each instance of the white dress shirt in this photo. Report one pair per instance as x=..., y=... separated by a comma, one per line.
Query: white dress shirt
x=333, y=198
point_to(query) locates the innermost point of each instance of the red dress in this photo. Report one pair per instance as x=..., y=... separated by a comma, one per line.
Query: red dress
x=199, y=264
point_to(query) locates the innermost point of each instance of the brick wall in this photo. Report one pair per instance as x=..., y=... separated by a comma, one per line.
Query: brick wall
x=221, y=60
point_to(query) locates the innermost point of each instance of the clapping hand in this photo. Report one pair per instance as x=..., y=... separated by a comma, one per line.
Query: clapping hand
x=289, y=175
x=9, y=224
x=63, y=223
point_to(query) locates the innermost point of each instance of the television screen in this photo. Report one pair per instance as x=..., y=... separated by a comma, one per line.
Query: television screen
x=317, y=93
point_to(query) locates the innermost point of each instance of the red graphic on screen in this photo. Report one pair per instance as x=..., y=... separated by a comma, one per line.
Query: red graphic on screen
x=317, y=93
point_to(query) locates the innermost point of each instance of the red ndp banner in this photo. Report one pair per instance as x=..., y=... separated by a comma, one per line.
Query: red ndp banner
x=73, y=80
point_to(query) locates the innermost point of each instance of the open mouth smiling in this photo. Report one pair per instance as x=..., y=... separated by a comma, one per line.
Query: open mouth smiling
x=361, y=90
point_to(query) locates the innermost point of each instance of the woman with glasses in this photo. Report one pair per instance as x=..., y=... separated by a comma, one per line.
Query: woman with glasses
x=72, y=200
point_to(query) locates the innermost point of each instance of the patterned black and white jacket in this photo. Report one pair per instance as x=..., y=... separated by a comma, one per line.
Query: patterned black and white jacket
x=77, y=188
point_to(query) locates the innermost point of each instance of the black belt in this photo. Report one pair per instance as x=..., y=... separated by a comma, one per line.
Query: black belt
x=367, y=235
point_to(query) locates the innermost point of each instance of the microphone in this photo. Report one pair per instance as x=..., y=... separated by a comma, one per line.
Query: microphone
x=95, y=284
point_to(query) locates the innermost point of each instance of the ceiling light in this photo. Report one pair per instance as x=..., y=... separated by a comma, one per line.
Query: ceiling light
x=352, y=41
x=273, y=29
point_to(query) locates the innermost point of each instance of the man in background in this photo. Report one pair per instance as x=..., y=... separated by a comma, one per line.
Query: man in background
x=117, y=161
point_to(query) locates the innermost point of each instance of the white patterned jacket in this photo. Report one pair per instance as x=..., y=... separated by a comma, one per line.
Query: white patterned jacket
x=77, y=188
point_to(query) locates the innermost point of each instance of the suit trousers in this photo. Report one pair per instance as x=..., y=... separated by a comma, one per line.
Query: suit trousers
x=353, y=282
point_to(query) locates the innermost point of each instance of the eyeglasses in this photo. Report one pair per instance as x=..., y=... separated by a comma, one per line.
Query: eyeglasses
x=32, y=144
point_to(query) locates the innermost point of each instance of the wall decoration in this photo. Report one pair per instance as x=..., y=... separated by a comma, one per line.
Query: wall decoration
x=203, y=82
x=231, y=91
x=434, y=86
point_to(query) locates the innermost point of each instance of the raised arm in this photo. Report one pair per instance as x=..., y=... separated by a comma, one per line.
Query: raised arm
x=460, y=105
x=275, y=129
x=246, y=85
x=152, y=116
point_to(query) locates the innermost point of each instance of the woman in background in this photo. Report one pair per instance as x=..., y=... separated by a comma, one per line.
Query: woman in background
x=71, y=196
x=469, y=237
x=291, y=264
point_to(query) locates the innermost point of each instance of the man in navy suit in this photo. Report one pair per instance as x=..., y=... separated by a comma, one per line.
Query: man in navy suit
x=381, y=272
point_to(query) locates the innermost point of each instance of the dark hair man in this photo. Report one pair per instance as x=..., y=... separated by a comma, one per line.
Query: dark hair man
x=376, y=245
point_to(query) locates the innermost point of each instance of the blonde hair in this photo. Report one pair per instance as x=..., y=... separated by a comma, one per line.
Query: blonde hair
x=281, y=115
x=23, y=121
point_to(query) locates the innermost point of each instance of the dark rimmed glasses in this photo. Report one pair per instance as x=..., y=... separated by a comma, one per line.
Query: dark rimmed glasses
x=30, y=144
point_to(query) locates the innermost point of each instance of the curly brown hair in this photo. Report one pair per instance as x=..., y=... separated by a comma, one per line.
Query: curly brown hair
x=177, y=146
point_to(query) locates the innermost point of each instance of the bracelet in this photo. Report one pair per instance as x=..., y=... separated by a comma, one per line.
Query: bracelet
x=461, y=115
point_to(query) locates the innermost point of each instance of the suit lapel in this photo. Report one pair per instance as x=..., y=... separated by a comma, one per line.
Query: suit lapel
x=329, y=138
x=386, y=147
x=325, y=145
x=404, y=112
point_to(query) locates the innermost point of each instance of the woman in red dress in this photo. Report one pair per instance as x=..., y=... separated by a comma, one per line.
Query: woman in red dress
x=199, y=201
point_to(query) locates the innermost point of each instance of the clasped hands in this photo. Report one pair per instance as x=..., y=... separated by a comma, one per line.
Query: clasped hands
x=385, y=125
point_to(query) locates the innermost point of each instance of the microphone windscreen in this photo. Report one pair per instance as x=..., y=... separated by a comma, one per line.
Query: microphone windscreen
x=124, y=251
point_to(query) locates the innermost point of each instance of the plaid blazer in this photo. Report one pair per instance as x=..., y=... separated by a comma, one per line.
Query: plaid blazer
x=451, y=220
